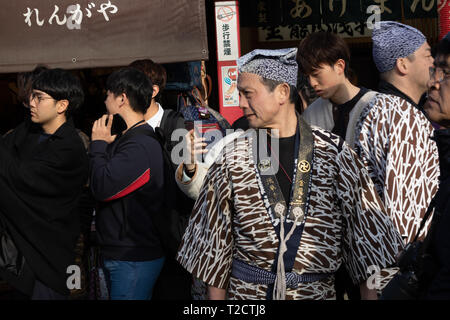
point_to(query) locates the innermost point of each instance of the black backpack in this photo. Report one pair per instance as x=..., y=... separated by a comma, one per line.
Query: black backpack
x=169, y=122
x=173, y=219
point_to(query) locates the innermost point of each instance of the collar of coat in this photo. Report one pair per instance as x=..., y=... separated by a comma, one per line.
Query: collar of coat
x=388, y=88
x=61, y=132
x=28, y=127
x=442, y=138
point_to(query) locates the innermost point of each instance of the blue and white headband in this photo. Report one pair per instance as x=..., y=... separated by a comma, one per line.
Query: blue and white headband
x=279, y=65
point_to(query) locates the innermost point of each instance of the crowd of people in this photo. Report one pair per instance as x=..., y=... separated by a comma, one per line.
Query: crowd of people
x=317, y=194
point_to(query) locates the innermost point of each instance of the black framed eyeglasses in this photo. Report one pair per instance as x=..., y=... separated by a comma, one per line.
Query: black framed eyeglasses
x=39, y=97
x=439, y=74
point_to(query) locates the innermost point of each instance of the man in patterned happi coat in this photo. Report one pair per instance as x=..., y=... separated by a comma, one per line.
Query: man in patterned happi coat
x=394, y=135
x=246, y=240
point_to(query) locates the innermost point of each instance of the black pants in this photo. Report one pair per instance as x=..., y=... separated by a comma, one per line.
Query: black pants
x=42, y=292
x=174, y=282
x=344, y=284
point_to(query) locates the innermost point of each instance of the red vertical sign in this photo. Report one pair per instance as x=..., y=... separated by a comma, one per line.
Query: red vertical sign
x=228, y=51
x=444, y=18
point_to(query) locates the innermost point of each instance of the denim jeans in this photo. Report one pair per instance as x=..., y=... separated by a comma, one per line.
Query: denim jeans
x=132, y=280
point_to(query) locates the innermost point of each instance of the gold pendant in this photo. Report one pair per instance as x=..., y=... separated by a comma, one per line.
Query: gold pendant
x=264, y=165
x=304, y=166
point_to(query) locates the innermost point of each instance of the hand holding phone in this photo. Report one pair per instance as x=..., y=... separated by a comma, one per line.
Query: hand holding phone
x=118, y=125
x=196, y=146
x=210, y=132
x=101, y=130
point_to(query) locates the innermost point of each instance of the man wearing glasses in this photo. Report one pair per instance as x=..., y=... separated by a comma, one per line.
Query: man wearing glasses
x=437, y=108
x=437, y=105
x=43, y=168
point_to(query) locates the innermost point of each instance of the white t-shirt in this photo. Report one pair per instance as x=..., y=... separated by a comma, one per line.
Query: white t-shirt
x=155, y=121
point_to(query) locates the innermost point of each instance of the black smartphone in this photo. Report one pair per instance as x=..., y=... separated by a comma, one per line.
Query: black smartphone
x=210, y=131
x=118, y=126
x=189, y=125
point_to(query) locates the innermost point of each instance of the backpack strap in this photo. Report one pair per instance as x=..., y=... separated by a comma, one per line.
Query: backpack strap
x=166, y=113
x=170, y=121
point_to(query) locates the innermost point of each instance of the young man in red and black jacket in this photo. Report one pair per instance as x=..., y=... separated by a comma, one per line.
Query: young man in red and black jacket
x=127, y=178
x=174, y=282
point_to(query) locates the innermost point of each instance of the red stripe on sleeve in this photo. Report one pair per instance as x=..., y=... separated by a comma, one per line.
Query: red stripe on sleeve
x=139, y=182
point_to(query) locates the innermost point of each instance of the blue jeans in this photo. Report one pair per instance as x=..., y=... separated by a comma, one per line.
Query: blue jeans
x=132, y=280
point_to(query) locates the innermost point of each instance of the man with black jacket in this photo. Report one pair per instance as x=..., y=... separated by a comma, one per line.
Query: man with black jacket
x=43, y=168
x=157, y=116
x=437, y=108
x=127, y=178
x=174, y=282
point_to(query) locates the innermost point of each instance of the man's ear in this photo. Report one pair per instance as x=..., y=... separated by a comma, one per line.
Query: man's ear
x=123, y=99
x=402, y=66
x=155, y=91
x=339, y=66
x=62, y=105
x=283, y=91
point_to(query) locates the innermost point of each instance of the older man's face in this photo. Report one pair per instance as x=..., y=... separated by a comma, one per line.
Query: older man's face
x=437, y=106
x=258, y=103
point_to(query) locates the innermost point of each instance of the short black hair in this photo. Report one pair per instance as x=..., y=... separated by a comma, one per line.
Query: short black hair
x=135, y=84
x=61, y=85
x=322, y=47
x=156, y=72
x=25, y=83
x=442, y=49
x=305, y=89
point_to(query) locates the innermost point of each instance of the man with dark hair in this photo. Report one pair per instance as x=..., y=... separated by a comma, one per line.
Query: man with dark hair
x=155, y=72
x=393, y=136
x=127, y=178
x=43, y=169
x=25, y=84
x=324, y=58
x=166, y=119
x=437, y=108
x=437, y=105
x=174, y=283
x=24, y=89
x=279, y=226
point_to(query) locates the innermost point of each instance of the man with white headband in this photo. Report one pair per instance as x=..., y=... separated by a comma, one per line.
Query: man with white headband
x=284, y=205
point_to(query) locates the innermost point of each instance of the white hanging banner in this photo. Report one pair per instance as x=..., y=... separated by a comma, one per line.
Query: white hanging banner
x=227, y=30
x=228, y=51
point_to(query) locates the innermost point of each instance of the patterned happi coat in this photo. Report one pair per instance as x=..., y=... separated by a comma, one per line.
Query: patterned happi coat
x=345, y=222
x=396, y=147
